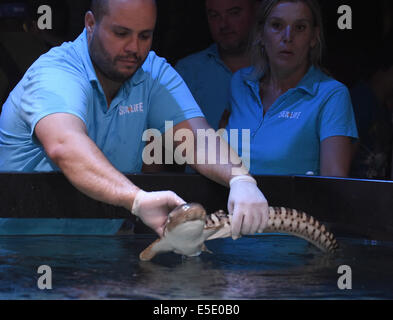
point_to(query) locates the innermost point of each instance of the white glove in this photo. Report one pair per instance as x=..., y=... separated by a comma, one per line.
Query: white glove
x=248, y=205
x=153, y=208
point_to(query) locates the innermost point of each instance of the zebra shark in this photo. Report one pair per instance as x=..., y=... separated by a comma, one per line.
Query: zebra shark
x=188, y=227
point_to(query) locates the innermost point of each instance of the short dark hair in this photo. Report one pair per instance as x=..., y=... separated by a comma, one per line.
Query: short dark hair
x=99, y=8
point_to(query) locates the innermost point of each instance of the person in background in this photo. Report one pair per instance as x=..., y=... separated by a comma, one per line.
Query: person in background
x=372, y=99
x=208, y=73
x=300, y=120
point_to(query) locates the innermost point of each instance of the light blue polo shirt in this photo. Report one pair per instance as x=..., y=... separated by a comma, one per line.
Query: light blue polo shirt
x=209, y=80
x=286, y=140
x=64, y=80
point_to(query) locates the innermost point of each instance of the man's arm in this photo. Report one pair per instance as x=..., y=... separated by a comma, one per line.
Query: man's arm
x=222, y=171
x=65, y=140
x=246, y=202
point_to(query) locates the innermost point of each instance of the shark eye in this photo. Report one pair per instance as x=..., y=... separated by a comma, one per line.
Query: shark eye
x=186, y=206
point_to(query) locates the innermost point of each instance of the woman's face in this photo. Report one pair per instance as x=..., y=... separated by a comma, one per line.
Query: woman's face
x=289, y=34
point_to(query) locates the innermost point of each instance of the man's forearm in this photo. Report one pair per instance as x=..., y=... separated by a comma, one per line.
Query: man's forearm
x=226, y=164
x=90, y=172
x=212, y=156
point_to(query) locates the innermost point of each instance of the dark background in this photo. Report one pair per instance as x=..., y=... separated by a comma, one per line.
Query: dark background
x=182, y=29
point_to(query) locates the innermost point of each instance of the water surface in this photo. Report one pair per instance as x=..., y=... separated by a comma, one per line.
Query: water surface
x=260, y=267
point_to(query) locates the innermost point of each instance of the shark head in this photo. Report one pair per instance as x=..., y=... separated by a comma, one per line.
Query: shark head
x=189, y=212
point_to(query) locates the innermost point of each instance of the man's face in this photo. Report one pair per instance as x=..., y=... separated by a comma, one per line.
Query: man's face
x=121, y=41
x=230, y=22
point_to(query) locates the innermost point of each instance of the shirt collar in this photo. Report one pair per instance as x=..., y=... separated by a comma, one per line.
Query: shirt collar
x=84, y=53
x=212, y=51
x=309, y=83
x=140, y=75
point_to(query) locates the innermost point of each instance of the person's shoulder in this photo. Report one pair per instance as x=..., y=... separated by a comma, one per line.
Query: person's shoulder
x=60, y=67
x=243, y=75
x=324, y=86
x=153, y=59
x=155, y=70
x=327, y=84
x=196, y=58
x=59, y=60
x=246, y=72
x=154, y=64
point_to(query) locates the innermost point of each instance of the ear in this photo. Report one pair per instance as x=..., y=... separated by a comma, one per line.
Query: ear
x=90, y=23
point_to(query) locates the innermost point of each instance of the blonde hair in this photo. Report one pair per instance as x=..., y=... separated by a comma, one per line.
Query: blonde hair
x=258, y=55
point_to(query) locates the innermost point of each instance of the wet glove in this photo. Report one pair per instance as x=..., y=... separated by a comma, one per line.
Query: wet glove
x=153, y=208
x=248, y=206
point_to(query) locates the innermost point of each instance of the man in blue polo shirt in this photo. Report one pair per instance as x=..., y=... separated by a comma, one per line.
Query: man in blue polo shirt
x=82, y=108
x=208, y=73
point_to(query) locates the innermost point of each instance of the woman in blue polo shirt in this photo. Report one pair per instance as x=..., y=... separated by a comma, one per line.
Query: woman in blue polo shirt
x=300, y=120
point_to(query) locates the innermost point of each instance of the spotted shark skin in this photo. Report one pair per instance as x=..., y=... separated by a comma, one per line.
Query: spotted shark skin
x=188, y=227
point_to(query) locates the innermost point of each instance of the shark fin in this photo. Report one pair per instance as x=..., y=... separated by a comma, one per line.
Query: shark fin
x=205, y=249
x=156, y=247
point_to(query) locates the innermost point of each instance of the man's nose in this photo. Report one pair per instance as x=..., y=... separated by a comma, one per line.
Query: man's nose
x=224, y=22
x=288, y=34
x=132, y=45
